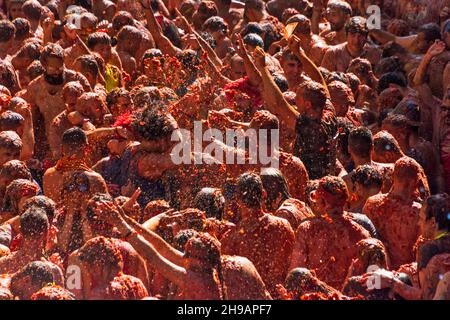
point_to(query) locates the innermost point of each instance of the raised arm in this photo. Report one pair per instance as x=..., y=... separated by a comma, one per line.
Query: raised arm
x=171, y=271
x=162, y=42
x=252, y=72
x=273, y=98
x=436, y=49
x=310, y=67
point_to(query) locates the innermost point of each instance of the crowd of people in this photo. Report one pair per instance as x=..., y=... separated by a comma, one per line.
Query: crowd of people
x=93, y=205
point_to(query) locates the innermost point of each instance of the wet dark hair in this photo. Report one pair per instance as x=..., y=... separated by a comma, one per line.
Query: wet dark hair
x=121, y=19
x=361, y=141
x=281, y=82
x=253, y=40
x=431, y=31
x=153, y=125
x=438, y=207
x=98, y=38
x=15, y=169
x=34, y=222
x=44, y=203
x=10, y=140
x=315, y=93
x=22, y=26
x=215, y=24
x=391, y=78
x=32, y=10
x=275, y=185
x=52, y=50
x=388, y=65
x=252, y=27
x=89, y=64
x=211, y=201
x=101, y=250
x=74, y=138
x=367, y=176
x=182, y=237
x=41, y=274
x=357, y=25
x=7, y=30
x=250, y=189
x=10, y=121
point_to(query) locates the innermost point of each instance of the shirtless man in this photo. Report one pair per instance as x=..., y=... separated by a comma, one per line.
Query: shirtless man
x=264, y=239
x=103, y=277
x=360, y=146
x=338, y=58
x=396, y=214
x=7, y=31
x=34, y=226
x=328, y=243
x=45, y=92
x=33, y=11
x=74, y=144
x=366, y=181
x=337, y=14
x=100, y=43
x=217, y=27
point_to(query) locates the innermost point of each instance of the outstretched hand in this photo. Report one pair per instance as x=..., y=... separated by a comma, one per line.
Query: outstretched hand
x=436, y=48
x=260, y=58
x=295, y=46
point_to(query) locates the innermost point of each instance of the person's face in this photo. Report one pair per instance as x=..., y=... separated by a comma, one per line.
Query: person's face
x=24, y=288
x=15, y=11
x=356, y=40
x=422, y=44
x=336, y=18
x=237, y=69
x=318, y=204
x=8, y=155
x=291, y=68
x=124, y=103
x=426, y=227
x=92, y=109
x=104, y=50
x=71, y=100
x=54, y=66
x=87, y=27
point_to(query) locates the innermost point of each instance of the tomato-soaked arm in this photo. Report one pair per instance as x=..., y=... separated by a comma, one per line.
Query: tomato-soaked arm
x=308, y=65
x=273, y=98
x=254, y=76
x=162, y=42
x=436, y=49
x=167, y=268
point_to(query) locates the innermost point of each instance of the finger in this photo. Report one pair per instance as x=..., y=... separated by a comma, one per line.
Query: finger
x=136, y=194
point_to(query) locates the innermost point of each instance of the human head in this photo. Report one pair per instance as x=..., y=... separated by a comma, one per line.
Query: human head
x=28, y=53
x=34, y=224
x=427, y=34
x=292, y=66
x=17, y=192
x=10, y=171
x=88, y=23
x=338, y=12
x=119, y=101
x=98, y=225
x=401, y=128
x=301, y=281
x=74, y=142
x=11, y=121
x=367, y=181
x=385, y=148
x=33, y=277
x=341, y=97
x=15, y=9
x=32, y=10
x=211, y=201
x=237, y=67
x=357, y=32
x=406, y=175
x=102, y=258
x=311, y=98
x=254, y=10
x=250, y=190
x=7, y=31
x=53, y=293
x=70, y=93
x=44, y=203
x=391, y=79
x=362, y=68
x=23, y=31
x=331, y=196
x=92, y=106
x=217, y=27
x=205, y=10
x=252, y=41
x=371, y=252
x=434, y=215
x=10, y=146
x=52, y=59
x=303, y=28
x=100, y=42
x=360, y=143
x=87, y=65
x=276, y=187
x=129, y=39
